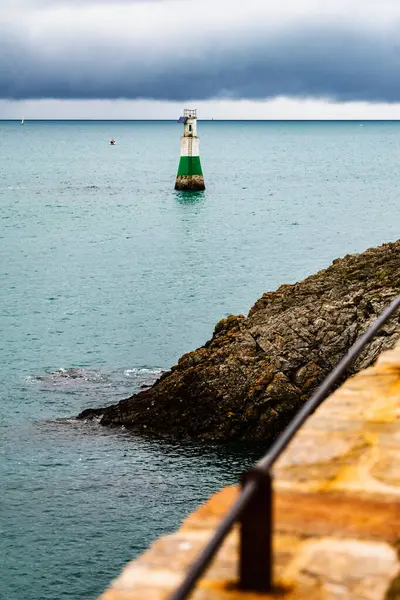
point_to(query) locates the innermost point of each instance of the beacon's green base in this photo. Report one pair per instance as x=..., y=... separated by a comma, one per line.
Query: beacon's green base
x=193, y=183
x=189, y=165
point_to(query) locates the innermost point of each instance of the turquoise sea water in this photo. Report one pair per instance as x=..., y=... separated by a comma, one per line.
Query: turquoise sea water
x=107, y=270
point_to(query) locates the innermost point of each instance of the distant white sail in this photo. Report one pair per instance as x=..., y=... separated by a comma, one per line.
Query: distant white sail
x=22, y=121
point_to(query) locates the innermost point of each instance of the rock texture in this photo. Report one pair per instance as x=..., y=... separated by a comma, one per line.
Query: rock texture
x=256, y=371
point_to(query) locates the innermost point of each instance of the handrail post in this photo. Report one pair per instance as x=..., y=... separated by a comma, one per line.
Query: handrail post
x=255, y=550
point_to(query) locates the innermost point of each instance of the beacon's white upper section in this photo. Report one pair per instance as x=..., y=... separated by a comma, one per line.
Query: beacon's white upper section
x=189, y=146
x=190, y=126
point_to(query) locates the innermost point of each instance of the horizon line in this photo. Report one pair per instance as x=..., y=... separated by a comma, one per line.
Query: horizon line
x=210, y=119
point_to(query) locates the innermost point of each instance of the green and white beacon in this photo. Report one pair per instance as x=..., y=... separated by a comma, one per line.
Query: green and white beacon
x=190, y=176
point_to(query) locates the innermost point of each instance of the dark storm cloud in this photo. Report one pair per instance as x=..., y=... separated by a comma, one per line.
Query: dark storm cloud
x=327, y=61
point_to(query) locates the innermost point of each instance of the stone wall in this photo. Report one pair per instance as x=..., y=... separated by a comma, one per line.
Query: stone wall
x=337, y=509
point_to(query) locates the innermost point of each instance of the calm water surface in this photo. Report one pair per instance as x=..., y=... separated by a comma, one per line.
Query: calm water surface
x=108, y=271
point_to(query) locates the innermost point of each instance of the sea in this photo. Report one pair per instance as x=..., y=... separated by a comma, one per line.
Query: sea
x=108, y=275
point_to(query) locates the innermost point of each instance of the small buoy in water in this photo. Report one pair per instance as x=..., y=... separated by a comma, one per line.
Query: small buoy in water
x=112, y=142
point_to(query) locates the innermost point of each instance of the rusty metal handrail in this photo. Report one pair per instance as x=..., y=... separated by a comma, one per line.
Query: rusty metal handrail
x=254, y=504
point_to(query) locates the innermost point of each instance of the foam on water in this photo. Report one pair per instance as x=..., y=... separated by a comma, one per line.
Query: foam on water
x=140, y=371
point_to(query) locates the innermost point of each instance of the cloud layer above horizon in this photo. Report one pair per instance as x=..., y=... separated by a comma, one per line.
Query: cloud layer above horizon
x=178, y=50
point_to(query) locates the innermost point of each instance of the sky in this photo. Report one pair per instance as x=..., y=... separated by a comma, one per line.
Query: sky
x=261, y=59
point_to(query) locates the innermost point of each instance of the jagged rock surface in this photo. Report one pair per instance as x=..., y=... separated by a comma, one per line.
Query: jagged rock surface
x=250, y=378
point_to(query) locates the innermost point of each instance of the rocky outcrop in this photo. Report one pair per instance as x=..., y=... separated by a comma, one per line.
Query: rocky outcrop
x=256, y=371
